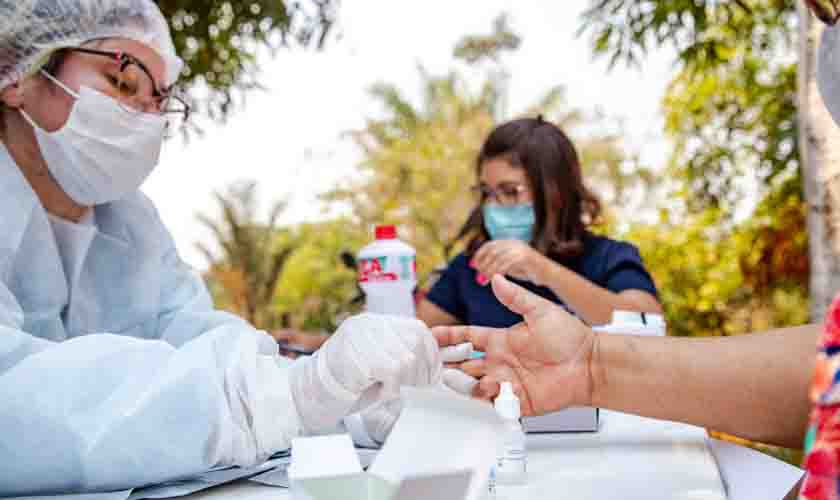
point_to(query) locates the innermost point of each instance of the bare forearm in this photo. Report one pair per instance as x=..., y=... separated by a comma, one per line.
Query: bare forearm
x=754, y=386
x=592, y=302
x=433, y=315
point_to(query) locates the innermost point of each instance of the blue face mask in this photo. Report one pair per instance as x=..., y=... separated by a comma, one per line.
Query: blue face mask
x=515, y=222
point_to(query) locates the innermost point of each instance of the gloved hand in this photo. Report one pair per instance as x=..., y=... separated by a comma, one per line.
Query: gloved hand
x=361, y=368
x=379, y=419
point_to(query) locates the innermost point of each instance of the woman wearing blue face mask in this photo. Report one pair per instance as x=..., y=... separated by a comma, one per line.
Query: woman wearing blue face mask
x=116, y=372
x=531, y=225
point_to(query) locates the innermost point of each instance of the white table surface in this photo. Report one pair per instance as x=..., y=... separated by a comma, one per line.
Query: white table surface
x=629, y=458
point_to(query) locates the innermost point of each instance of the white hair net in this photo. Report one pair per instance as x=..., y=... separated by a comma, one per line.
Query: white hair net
x=32, y=30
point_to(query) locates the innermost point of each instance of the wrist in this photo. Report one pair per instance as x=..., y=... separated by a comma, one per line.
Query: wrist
x=592, y=346
x=610, y=369
x=543, y=268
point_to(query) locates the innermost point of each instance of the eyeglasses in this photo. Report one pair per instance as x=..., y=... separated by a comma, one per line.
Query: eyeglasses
x=505, y=194
x=136, y=89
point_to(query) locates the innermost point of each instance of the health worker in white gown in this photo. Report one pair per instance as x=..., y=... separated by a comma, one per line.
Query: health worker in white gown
x=115, y=370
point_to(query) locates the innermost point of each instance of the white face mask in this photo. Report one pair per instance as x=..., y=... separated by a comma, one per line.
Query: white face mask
x=104, y=152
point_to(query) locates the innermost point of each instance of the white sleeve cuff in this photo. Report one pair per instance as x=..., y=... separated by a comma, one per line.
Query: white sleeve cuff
x=275, y=417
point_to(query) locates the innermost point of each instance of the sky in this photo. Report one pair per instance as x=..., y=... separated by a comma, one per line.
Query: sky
x=291, y=138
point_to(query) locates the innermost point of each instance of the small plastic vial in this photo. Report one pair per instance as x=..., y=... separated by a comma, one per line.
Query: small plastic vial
x=512, y=459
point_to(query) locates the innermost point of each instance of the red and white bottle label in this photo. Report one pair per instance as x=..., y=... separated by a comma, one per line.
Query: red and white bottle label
x=379, y=269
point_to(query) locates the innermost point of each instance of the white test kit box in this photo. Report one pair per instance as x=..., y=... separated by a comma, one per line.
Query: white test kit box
x=442, y=447
x=586, y=419
x=578, y=419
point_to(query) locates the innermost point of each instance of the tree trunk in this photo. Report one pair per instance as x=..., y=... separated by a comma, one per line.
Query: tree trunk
x=819, y=139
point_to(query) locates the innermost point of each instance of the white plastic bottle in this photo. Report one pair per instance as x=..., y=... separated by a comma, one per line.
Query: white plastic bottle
x=512, y=457
x=388, y=274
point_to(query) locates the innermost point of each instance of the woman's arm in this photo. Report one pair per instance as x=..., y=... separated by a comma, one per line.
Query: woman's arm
x=445, y=305
x=433, y=315
x=593, y=303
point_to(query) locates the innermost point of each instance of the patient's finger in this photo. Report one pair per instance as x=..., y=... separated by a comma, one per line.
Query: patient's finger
x=453, y=335
x=474, y=368
x=486, y=389
x=453, y=366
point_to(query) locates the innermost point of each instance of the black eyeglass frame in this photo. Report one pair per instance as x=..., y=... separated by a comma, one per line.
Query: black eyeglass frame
x=506, y=195
x=124, y=59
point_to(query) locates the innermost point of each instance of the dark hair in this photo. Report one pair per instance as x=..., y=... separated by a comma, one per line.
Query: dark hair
x=563, y=205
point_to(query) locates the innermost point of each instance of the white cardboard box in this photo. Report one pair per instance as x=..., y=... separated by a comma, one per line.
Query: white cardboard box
x=441, y=448
x=578, y=419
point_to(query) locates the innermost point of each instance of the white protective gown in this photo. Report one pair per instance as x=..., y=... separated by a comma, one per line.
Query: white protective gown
x=115, y=370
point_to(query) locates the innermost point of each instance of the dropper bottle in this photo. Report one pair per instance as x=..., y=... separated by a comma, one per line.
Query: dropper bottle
x=511, y=461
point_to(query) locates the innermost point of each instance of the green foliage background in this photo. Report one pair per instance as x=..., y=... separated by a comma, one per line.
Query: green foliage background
x=730, y=253
x=219, y=41
x=728, y=248
x=729, y=111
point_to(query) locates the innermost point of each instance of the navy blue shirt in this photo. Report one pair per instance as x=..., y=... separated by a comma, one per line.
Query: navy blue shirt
x=613, y=265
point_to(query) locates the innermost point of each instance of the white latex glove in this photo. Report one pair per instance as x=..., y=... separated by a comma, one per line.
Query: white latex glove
x=362, y=367
x=452, y=378
x=379, y=419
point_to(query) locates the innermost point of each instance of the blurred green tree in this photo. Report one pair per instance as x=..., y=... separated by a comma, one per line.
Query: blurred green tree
x=219, y=41
x=487, y=51
x=419, y=160
x=418, y=165
x=251, y=255
x=734, y=111
x=317, y=289
x=716, y=279
x=475, y=49
x=731, y=111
